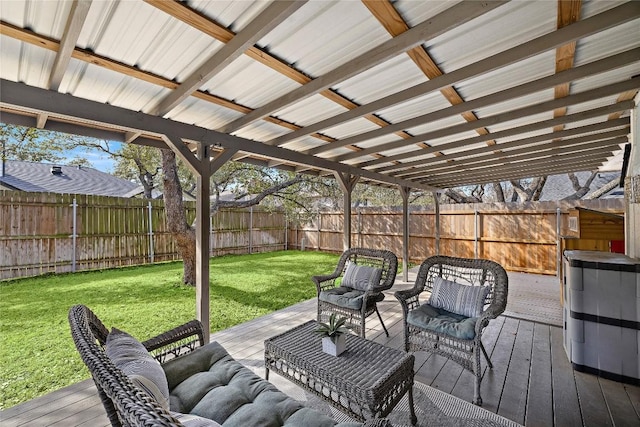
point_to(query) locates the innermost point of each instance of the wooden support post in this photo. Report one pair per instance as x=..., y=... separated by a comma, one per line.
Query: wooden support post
x=203, y=218
x=404, y=192
x=347, y=182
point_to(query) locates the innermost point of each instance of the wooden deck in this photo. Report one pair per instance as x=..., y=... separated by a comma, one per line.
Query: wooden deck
x=532, y=381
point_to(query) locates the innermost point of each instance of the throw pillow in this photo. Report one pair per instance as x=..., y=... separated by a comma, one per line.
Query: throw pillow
x=131, y=357
x=457, y=298
x=361, y=277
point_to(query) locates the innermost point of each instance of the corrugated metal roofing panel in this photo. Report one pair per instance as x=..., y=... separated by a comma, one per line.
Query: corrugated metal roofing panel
x=310, y=110
x=249, y=83
x=324, y=35
x=502, y=28
x=390, y=77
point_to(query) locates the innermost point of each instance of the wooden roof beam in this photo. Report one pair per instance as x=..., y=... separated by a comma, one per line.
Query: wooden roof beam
x=408, y=168
x=75, y=22
x=610, y=18
x=568, y=13
x=450, y=18
x=91, y=113
x=589, y=95
x=272, y=16
x=523, y=154
x=586, y=70
x=463, y=159
x=520, y=172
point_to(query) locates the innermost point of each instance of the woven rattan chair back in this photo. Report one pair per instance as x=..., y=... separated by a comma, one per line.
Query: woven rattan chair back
x=382, y=259
x=474, y=272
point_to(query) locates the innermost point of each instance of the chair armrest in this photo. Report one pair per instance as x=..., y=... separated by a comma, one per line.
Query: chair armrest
x=175, y=342
x=408, y=299
x=326, y=281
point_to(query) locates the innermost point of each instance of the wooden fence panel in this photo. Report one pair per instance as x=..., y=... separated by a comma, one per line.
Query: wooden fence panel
x=36, y=232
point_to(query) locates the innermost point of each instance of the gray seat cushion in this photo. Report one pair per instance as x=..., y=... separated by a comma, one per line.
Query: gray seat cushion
x=443, y=322
x=211, y=384
x=346, y=297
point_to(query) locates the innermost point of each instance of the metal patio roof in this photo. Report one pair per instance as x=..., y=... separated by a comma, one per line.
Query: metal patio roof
x=421, y=94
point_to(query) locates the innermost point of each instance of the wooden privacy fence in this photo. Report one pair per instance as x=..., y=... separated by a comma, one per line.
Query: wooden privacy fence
x=521, y=237
x=55, y=233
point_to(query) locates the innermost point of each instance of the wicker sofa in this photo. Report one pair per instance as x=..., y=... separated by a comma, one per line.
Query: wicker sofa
x=206, y=386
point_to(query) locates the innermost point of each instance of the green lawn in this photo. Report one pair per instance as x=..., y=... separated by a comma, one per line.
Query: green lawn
x=37, y=354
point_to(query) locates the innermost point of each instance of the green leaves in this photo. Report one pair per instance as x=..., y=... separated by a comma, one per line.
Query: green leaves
x=335, y=327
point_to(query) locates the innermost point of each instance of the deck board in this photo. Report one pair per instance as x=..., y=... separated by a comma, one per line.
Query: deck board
x=532, y=381
x=540, y=397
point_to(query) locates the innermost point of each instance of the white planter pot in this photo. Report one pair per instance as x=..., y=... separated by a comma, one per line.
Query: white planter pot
x=334, y=348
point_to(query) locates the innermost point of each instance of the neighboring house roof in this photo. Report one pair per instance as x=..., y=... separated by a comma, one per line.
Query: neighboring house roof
x=51, y=178
x=558, y=187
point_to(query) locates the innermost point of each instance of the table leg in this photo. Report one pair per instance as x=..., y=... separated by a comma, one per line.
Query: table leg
x=414, y=419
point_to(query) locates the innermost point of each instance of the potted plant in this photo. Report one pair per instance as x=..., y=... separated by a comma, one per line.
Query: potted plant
x=333, y=339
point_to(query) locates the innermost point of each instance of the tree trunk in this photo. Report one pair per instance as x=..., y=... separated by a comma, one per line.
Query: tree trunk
x=182, y=232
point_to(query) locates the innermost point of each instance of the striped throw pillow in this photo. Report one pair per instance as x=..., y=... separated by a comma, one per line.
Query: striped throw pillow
x=465, y=300
x=131, y=357
x=361, y=277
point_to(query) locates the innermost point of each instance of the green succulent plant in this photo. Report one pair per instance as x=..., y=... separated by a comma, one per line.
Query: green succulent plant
x=334, y=328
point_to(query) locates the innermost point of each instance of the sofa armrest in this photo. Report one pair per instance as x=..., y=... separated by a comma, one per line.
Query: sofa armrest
x=180, y=340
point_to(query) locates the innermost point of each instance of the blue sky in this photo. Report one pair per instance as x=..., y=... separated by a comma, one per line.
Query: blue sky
x=99, y=159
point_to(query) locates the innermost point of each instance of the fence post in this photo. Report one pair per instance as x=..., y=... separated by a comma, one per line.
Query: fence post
x=250, y=230
x=286, y=232
x=359, y=227
x=151, y=254
x=558, y=242
x=74, y=236
x=475, y=230
x=319, y=227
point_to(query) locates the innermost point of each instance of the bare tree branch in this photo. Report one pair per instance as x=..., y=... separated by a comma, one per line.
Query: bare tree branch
x=256, y=199
x=604, y=189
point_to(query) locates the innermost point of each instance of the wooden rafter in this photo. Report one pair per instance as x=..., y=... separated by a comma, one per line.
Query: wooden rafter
x=254, y=31
x=583, y=28
x=208, y=26
x=386, y=13
x=499, y=118
x=604, y=131
x=568, y=13
x=75, y=22
x=450, y=18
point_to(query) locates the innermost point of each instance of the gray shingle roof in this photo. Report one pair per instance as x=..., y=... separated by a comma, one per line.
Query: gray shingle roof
x=37, y=177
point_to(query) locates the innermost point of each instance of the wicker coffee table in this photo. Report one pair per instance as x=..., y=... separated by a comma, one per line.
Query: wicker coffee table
x=366, y=381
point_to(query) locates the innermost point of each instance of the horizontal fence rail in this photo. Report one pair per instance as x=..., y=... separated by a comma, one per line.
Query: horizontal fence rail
x=56, y=233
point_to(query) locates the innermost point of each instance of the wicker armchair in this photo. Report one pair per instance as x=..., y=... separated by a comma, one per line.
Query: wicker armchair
x=356, y=304
x=436, y=330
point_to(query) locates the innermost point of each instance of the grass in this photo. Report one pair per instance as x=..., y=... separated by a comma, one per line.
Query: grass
x=37, y=355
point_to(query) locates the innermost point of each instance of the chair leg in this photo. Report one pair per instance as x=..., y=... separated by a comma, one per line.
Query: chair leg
x=486, y=356
x=477, y=370
x=381, y=322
